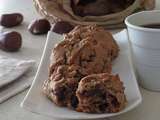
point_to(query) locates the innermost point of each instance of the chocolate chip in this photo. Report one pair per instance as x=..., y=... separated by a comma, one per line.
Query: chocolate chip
x=10, y=41
x=74, y=101
x=114, y=101
x=60, y=93
x=62, y=27
x=102, y=107
x=11, y=20
x=39, y=26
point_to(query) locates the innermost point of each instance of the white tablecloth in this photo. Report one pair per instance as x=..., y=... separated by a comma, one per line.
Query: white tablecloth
x=10, y=110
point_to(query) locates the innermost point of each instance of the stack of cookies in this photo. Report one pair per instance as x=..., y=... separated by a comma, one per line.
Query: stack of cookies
x=80, y=72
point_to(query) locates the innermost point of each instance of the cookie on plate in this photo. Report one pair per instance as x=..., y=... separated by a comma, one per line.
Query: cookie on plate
x=62, y=85
x=84, y=51
x=90, y=47
x=101, y=93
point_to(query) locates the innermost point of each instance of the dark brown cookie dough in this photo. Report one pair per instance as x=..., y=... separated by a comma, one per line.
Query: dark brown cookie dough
x=101, y=93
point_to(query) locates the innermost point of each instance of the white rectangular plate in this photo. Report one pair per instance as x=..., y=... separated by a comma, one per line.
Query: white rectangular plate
x=38, y=103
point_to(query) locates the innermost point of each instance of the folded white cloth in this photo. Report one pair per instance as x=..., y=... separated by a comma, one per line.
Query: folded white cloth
x=12, y=76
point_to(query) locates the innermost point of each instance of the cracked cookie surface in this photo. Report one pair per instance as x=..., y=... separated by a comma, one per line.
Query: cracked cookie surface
x=92, y=48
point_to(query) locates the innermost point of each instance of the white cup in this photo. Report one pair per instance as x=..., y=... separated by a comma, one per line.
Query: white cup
x=145, y=44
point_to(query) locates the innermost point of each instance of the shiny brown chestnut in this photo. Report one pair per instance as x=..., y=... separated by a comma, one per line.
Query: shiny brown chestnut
x=62, y=27
x=11, y=20
x=39, y=26
x=10, y=41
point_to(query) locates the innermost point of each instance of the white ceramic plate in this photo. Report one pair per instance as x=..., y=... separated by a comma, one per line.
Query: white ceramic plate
x=38, y=103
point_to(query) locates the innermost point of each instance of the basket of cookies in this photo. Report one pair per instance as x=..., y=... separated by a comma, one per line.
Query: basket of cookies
x=109, y=13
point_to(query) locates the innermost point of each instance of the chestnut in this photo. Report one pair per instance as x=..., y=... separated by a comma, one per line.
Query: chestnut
x=11, y=20
x=62, y=27
x=39, y=26
x=10, y=41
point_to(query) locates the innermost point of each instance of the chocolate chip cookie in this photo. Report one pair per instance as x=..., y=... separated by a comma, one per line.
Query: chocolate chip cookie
x=101, y=93
x=62, y=85
x=91, y=47
x=84, y=51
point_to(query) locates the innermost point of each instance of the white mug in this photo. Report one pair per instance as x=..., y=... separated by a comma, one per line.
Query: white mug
x=145, y=46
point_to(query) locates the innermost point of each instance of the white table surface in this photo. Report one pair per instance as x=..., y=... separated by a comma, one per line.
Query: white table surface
x=33, y=47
